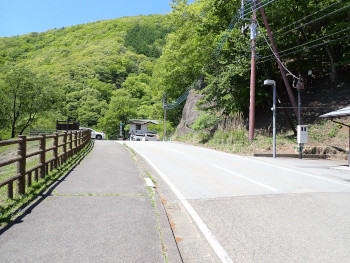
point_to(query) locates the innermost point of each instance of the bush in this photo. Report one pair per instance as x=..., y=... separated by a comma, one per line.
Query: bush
x=205, y=121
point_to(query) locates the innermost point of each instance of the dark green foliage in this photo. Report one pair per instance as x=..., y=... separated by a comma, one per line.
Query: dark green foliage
x=189, y=56
x=146, y=38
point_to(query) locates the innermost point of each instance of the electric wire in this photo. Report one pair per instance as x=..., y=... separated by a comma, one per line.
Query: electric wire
x=310, y=47
x=308, y=16
x=231, y=26
x=315, y=20
x=274, y=54
x=261, y=5
x=335, y=33
x=217, y=50
x=249, y=4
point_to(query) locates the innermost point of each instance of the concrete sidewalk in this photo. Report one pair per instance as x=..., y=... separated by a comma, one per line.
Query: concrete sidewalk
x=100, y=212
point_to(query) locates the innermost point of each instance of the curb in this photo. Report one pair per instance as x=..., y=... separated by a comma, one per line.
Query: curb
x=293, y=155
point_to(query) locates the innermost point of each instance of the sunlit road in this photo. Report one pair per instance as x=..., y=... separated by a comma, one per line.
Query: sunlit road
x=259, y=209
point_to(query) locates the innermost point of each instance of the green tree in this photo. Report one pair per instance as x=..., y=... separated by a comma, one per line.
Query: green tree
x=91, y=107
x=121, y=109
x=24, y=96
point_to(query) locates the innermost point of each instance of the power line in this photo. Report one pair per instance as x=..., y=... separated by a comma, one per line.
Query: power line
x=335, y=33
x=311, y=47
x=274, y=54
x=261, y=6
x=231, y=26
x=308, y=16
x=216, y=51
x=315, y=20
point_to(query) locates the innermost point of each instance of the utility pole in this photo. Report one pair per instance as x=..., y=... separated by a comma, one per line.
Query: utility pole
x=252, y=76
x=164, y=107
x=283, y=73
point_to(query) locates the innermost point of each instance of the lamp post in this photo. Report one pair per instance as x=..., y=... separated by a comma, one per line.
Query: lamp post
x=165, y=108
x=300, y=86
x=269, y=82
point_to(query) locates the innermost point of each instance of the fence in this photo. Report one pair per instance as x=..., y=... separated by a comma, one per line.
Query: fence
x=36, y=132
x=72, y=143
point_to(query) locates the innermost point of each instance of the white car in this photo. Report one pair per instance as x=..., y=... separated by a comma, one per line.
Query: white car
x=137, y=137
x=95, y=134
x=144, y=137
x=150, y=137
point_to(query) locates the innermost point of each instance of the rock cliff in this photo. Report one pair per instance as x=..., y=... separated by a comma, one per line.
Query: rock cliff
x=189, y=113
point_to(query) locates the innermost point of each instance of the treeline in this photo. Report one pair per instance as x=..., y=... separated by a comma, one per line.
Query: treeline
x=310, y=36
x=84, y=72
x=106, y=72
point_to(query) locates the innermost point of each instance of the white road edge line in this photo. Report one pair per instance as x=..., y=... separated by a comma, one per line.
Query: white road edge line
x=245, y=178
x=301, y=172
x=149, y=182
x=219, y=250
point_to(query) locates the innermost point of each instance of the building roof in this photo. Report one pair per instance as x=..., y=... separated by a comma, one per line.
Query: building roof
x=337, y=113
x=139, y=121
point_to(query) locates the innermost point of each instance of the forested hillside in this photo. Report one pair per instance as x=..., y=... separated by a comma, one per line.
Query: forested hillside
x=106, y=72
x=211, y=48
x=98, y=73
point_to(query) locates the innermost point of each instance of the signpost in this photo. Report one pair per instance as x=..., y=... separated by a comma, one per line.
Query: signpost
x=273, y=84
x=121, y=130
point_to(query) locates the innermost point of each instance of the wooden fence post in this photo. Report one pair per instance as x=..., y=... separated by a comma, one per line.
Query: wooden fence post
x=70, y=144
x=55, y=150
x=10, y=190
x=21, y=164
x=42, y=147
x=78, y=141
x=82, y=140
x=83, y=134
x=75, y=142
x=64, y=147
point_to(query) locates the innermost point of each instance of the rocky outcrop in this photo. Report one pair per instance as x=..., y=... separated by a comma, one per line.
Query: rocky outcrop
x=189, y=113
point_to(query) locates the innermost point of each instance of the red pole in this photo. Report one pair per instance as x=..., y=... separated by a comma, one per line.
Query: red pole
x=252, y=79
x=283, y=73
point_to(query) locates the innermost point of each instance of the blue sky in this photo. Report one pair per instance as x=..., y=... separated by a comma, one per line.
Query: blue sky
x=20, y=17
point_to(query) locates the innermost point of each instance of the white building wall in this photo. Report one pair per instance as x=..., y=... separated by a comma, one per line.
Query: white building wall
x=144, y=129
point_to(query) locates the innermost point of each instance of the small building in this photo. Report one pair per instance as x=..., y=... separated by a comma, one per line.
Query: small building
x=138, y=126
x=341, y=113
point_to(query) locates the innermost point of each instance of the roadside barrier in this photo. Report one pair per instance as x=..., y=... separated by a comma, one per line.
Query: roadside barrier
x=72, y=143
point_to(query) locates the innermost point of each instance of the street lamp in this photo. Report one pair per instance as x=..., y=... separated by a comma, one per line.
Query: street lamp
x=299, y=86
x=269, y=82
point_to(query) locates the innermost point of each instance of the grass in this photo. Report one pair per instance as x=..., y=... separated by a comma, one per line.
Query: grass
x=236, y=141
x=11, y=208
x=159, y=228
x=321, y=134
x=10, y=151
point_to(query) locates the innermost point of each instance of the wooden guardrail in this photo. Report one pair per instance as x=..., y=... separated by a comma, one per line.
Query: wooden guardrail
x=37, y=132
x=72, y=143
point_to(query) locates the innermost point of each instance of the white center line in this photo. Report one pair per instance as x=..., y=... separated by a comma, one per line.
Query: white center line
x=303, y=173
x=245, y=178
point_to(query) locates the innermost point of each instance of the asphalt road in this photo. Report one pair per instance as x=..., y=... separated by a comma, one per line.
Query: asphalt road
x=99, y=212
x=258, y=209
